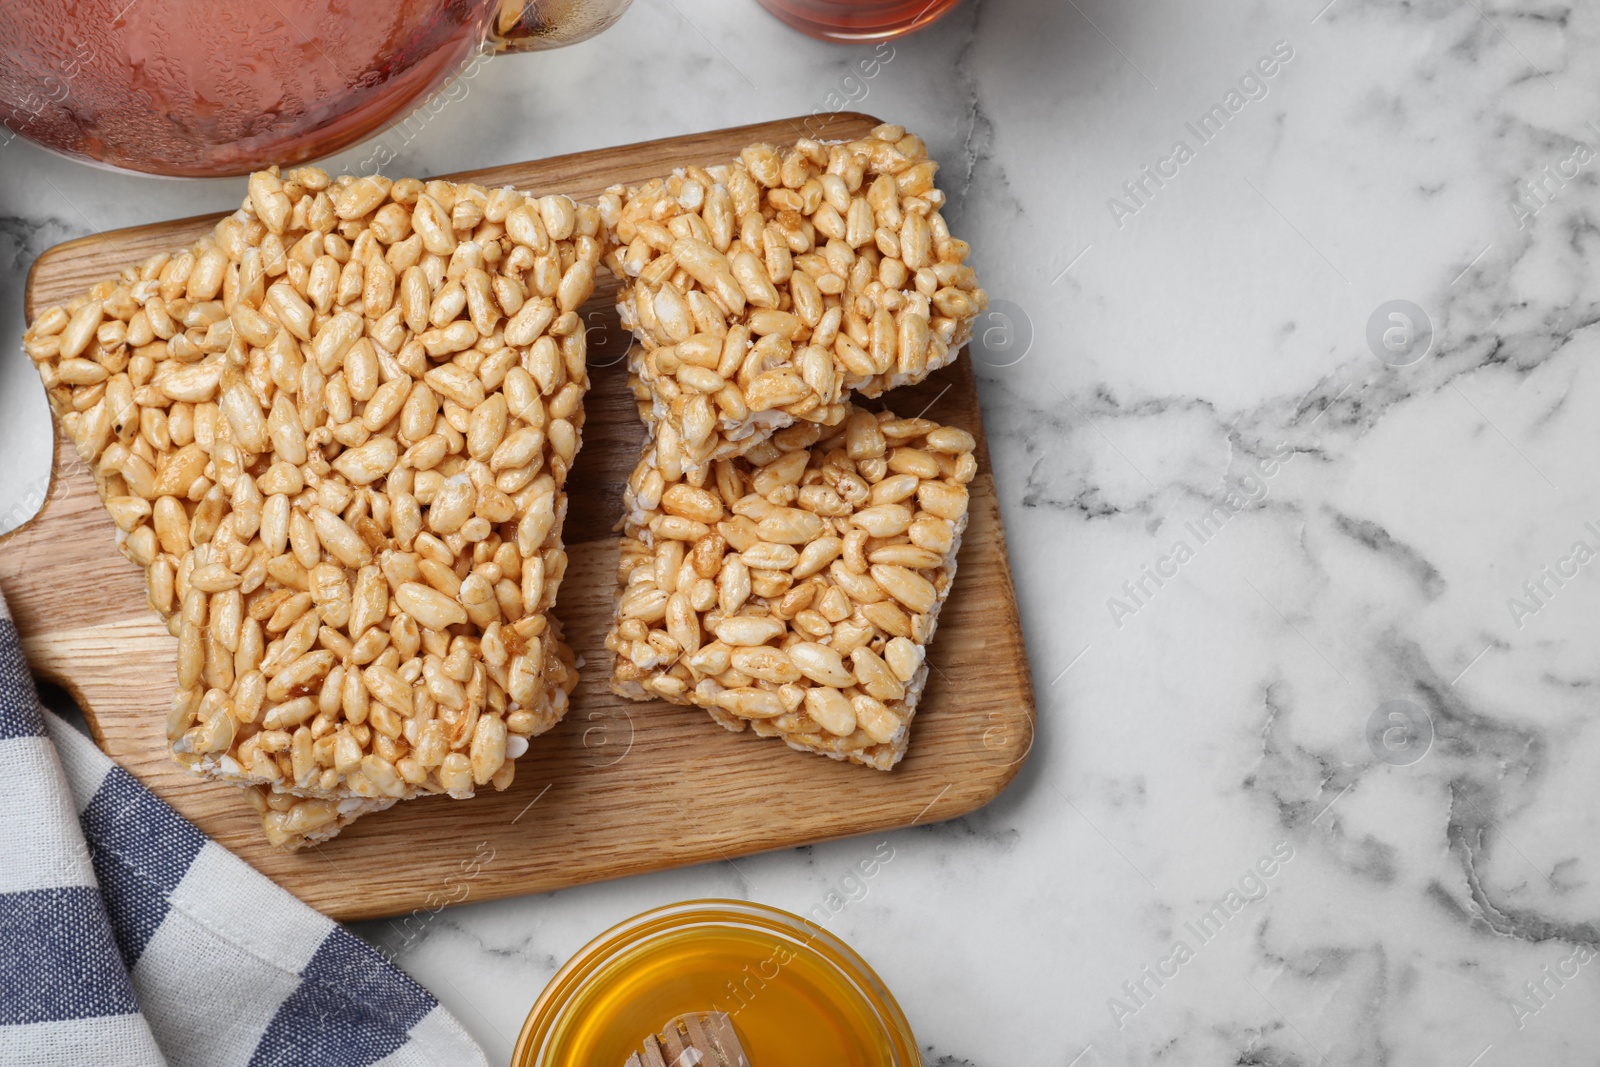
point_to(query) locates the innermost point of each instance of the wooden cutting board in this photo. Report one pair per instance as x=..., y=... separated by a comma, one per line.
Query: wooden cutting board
x=619, y=787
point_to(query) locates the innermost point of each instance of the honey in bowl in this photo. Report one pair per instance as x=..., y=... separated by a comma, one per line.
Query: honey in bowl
x=796, y=994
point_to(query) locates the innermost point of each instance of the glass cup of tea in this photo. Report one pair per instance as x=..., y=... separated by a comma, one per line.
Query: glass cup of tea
x=206, y=88
x=858, y=20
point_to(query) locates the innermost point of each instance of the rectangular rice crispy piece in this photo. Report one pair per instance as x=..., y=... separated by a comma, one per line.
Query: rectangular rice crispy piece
x=795, y=589
x=336, y=433
x=765, y=290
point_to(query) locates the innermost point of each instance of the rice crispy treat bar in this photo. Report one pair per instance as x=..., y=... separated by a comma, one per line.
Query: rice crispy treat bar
x=764, y=290
x=293, y=822
x=795, y=589
x=335, y=433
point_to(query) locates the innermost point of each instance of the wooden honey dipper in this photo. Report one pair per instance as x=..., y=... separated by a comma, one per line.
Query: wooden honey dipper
x=701, y=1039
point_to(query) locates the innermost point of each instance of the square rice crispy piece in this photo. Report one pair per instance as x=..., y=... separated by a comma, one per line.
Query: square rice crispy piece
x=794, y=589
x=336, y=433
x=765, y=290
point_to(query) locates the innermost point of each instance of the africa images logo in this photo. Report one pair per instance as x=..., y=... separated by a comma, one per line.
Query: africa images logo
x=1252, y=85
x=1252, y=886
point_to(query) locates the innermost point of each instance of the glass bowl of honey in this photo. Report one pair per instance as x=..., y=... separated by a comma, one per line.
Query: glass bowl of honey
x=796, y=994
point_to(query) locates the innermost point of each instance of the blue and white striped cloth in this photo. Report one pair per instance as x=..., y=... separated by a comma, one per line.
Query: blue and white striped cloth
x=128, y=937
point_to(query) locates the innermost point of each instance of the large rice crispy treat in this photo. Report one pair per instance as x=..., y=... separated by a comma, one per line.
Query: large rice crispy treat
x=336, y=433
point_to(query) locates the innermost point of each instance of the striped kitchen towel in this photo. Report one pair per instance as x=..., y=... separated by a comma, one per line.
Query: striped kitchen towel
x=128, y=937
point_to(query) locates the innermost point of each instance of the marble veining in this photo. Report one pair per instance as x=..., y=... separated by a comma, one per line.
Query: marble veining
x=1309, y=619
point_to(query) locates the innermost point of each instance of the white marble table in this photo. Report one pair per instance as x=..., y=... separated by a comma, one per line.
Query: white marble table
x=1312, y=632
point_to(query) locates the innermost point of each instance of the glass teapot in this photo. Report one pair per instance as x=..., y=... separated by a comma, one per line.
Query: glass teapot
x=205, y=88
